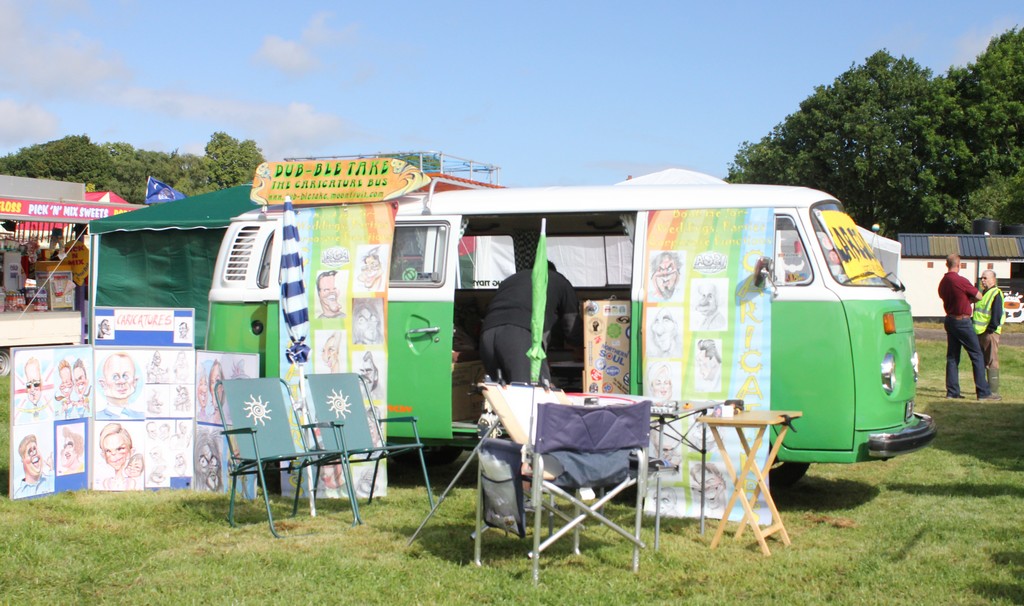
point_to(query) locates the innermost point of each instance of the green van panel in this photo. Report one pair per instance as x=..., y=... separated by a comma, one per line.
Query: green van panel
x=812, y=371
x=233, y=327
x=877, y=411
x=420, y=367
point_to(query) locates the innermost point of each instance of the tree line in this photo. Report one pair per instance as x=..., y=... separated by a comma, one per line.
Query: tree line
x=901, y=148
x=122, y=169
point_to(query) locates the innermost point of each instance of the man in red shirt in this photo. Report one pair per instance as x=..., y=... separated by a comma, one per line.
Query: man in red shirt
x=958, y=296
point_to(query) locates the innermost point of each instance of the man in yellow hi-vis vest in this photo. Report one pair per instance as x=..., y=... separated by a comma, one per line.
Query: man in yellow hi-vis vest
x=988, y=324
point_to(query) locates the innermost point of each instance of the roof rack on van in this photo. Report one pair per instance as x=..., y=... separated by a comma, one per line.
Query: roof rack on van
x=432, y=162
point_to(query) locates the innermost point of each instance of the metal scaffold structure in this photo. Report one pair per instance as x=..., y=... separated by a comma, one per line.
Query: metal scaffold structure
x=431, y=162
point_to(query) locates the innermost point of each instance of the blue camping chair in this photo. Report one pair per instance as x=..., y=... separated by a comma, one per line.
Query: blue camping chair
x=347, y=422
x=254, y=414
x=572, y=448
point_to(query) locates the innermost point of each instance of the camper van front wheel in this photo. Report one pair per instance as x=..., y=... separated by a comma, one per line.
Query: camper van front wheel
x=785, y=474
x=5, y=361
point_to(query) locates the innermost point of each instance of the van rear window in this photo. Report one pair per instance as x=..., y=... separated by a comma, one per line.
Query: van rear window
x=587, y=261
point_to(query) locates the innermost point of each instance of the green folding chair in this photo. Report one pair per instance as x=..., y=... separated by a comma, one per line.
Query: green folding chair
x=255, y=413
x=342, y=401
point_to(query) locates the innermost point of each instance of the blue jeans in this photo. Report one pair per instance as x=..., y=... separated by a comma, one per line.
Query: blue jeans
x=960, y=333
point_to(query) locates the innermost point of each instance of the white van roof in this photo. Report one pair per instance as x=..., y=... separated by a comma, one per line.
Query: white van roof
x=609, y=198
x=600, y=199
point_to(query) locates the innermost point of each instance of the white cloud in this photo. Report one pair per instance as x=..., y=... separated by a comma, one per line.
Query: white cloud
x=300, y=131
x=46, y=63
x=22, y=125
x=974, y=42
x=319, y=33
x=298, y=57
x=40, y=65
x=286, y=55
x=281, y=130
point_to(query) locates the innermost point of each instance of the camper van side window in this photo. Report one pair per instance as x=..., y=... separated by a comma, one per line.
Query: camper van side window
x=263, y=277
x=418, y=257
x=791, y=263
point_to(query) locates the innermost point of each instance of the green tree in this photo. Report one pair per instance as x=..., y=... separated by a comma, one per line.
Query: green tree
x=1001, y=197
x=74, y=158
x=871, y=138
x=121, y=168
x=195, y=174
x=990, y=92
x=232, y=162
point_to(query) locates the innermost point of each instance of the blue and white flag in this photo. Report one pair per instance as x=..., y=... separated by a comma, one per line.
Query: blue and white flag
x=157, y=191
x=293, y=289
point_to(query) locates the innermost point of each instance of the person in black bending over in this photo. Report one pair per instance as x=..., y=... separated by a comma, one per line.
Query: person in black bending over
x=505, y=333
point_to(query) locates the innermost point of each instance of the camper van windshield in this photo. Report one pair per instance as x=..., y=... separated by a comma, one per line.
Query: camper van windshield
x=850, y=259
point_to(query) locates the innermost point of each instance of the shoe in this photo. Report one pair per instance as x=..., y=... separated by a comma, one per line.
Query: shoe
x=954, y=397
x=994, y=397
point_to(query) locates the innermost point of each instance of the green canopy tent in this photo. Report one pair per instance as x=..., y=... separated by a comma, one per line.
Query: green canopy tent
x=163, y=255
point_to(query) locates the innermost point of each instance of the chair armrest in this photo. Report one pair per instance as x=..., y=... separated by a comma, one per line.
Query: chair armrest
x=322, y=425
x=239, y=431
x=398, y=420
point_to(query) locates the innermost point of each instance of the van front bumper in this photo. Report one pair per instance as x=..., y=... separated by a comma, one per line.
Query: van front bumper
x=905, y=441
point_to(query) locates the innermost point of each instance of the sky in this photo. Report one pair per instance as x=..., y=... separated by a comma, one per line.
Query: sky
x=550, y=92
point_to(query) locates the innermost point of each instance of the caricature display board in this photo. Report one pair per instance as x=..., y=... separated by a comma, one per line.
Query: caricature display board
x=119, y=418
x=347, y=250
x=210, y=456
x=143, y=327
x=51, y=392
x=144, y=408
x=707, y=336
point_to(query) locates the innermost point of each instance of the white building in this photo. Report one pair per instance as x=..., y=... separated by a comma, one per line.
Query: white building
x=924, y=264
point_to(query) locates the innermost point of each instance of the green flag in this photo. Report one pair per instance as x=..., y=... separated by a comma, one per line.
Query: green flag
x=540, y=300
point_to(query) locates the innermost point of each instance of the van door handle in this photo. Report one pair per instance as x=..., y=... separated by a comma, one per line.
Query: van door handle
x=429, y=330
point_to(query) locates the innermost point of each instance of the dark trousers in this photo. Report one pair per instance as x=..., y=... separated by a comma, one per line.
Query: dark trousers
x=503, y=348
x=960, y=334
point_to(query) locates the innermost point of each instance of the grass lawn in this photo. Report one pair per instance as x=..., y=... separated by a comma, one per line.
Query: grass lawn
x=942, y=526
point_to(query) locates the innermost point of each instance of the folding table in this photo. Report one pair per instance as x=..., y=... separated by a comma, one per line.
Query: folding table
x=760, y=420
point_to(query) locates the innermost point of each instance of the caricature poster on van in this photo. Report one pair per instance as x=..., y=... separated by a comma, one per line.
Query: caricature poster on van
x=706, y=336
x=347, y=252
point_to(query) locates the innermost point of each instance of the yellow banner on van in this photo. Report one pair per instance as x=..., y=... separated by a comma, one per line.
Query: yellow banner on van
x=859, y=260
x=324, y=182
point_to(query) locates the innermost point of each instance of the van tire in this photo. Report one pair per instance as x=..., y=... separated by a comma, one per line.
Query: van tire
x=5, y=361
x=786, y=474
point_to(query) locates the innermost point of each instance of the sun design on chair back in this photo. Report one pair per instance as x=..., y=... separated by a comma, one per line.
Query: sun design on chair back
x=339, y=404
x=256, y=410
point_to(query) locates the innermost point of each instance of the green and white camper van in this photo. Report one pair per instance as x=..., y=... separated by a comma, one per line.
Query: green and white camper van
x=827, y=332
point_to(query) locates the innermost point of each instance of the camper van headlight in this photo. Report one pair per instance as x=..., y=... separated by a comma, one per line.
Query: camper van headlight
x=916, y=365
x=888, y=372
